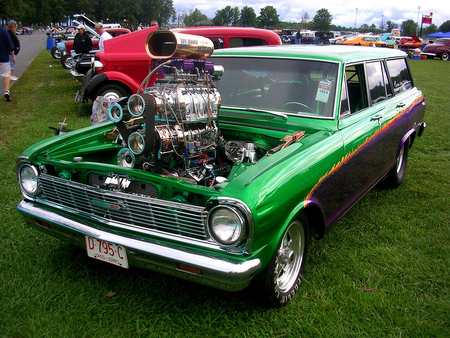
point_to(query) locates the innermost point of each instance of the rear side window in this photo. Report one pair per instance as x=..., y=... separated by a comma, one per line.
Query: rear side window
x=379, y=87
x=399, y=74
x=246, y=42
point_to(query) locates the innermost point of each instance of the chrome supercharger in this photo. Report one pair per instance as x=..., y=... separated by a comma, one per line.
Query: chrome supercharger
x=171, y=127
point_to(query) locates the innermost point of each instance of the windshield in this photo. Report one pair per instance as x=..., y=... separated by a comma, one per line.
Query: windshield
x=301, y=87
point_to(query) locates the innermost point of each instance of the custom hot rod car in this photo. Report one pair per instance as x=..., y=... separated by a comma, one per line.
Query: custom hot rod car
x=221, y=171
x=120, y=69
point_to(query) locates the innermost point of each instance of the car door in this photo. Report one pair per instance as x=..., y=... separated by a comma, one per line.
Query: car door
x=360, y=124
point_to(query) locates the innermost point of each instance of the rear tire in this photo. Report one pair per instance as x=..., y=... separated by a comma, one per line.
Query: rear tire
x=395, y=176
x=445, y=56
x=281, y=279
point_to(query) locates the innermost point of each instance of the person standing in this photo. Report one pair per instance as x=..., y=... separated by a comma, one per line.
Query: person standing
x=104, y=35
x=298, y=37
x=82, y=42
x=12, y=26
x=6, y=49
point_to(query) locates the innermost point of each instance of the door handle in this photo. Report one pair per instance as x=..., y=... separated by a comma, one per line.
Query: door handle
x=376, y=118
x=400, y=105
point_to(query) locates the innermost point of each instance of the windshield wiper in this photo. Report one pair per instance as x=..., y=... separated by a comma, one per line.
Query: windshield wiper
x=256, y=110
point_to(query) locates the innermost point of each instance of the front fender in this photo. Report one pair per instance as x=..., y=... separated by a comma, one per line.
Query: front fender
x=123, y=78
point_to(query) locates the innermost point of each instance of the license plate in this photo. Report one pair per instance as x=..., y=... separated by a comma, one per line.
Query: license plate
x=107, y=252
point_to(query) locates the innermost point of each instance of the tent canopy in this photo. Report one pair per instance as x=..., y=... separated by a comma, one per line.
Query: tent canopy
x=439, y=35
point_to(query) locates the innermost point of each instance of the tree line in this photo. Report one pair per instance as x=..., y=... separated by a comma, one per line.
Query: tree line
x=125, y=12
x=134, y=12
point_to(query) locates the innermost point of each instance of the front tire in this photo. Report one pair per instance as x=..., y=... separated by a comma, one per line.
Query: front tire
x=113, y=90
x=67, y=61
x=281, y=279
x=56, y=54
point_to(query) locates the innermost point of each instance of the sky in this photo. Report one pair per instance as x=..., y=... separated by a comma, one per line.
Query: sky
x=343, y=11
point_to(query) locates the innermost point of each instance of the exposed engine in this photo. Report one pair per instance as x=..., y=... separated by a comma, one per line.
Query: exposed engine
x=172, y=127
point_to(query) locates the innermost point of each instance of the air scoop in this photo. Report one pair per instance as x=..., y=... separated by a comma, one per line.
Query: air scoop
x=170, y=45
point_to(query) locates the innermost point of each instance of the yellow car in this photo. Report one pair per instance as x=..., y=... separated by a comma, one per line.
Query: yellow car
x=365, y=40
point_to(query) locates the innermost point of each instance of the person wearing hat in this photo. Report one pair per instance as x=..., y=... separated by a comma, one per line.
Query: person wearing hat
x=82, y=42
x=104, y=35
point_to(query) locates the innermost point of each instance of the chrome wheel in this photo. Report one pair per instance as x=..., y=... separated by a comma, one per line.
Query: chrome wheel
x=400, y=160
x=290, y=257
x=280, y=280
x=395, y=176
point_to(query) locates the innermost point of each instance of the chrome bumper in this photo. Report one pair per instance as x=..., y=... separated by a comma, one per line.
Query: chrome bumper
x=218, y=272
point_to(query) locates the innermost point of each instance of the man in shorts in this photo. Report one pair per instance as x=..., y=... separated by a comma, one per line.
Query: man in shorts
x=6, y=49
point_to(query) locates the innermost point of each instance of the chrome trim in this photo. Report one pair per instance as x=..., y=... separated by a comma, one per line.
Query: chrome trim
x=19, y=179
x=219, y=272
x=247, y=214
x=242, y=221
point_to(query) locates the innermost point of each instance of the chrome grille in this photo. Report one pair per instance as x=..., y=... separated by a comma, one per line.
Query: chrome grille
x=124, y=210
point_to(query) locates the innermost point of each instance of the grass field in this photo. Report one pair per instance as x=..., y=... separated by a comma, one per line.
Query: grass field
x=382, y=270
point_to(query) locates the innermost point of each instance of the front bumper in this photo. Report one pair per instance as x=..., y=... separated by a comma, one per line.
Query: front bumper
x=218, y=272
x=76, y=75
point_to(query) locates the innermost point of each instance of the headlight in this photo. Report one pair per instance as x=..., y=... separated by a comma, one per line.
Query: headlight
x=96, y=65
x=28, y=179
x=226, y=225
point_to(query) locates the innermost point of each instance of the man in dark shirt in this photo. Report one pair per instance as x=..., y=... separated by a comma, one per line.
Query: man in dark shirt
x=82, y=42
x=6, y=49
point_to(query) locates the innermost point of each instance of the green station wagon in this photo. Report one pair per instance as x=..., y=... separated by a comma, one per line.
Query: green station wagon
x=226, y=166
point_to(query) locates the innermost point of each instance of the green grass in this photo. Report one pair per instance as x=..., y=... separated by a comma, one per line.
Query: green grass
x=382, y=270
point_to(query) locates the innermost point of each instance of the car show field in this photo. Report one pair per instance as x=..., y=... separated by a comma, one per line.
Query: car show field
x=384, y=262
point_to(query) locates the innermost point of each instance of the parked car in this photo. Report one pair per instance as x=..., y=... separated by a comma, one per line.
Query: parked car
x=223, y=170
x=120, y=69
x=390, y=39
x=67, y=58
x=26, y=30
x=365, y=40
x=229, y=37
x=410, y=42
x=440, y=48
x=341, y=38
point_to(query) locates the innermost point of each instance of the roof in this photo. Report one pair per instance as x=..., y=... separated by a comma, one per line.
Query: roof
x=230, y=31
x=328, y=52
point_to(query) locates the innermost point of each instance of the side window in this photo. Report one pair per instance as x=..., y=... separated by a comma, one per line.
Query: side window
x=357, y=94
x=246, y=42
x=254, y=42
x=399, y=75
x=376, y=80
x=235, y=42
x=218, y=43
x=345, y=110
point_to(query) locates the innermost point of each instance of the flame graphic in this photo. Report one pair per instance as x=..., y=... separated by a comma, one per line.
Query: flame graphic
x=348, y=156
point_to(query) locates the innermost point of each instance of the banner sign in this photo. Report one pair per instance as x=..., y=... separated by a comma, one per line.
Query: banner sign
x=427, y=19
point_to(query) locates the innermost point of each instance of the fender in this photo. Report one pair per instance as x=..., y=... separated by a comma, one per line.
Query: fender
x=411, y=135
x=101, y=79
x=123, y=78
